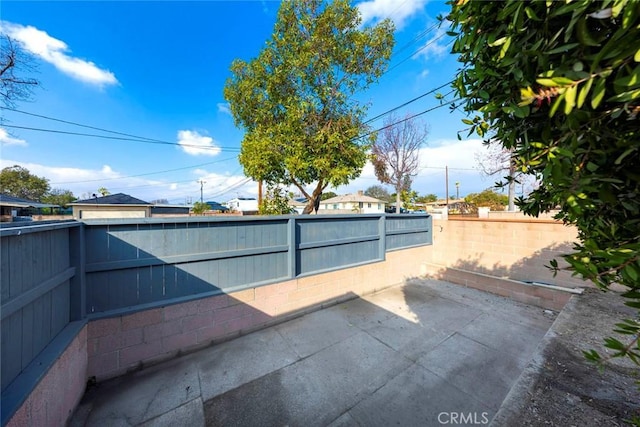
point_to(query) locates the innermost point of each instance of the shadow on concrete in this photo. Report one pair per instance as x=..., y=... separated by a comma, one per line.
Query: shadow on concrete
x=422, y=353
x=533, y=268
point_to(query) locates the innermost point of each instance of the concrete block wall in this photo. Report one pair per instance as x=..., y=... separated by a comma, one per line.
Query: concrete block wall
x=540, y=296
x=55, y=397
x=514, y=249
x=124, y=343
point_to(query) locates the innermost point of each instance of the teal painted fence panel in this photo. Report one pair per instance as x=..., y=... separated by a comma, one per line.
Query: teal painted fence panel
x=35, y=270
x=405, y=231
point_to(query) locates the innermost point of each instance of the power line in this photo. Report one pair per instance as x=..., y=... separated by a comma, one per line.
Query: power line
x=157, y=184
x=416, y=38
x=428, y=110
x=229, y=188
x=123, y=139
x=407, y=103
x=143, y=174
x=79, y=124
x=432, y=41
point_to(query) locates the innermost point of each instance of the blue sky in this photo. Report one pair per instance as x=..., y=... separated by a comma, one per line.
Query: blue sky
x=157, y=70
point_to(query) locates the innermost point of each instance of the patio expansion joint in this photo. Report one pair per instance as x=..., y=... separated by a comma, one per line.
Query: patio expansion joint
x=472, y=397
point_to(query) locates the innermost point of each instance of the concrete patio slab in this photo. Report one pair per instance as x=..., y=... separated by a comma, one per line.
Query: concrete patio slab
x=416, y=397
x=140, y=396
x=514, y=338
x=482, y=372
x=189, y=414
x=228, y=366
x=314, y=391
x=309, y=334
x=403, y=356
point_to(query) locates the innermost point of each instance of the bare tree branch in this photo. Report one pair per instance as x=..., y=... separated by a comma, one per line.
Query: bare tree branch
x=14, y=62
x=395, y=155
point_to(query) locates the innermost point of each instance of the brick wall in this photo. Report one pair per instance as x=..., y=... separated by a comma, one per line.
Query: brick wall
x=120, y=344
x=515, y=249
x=55, y=397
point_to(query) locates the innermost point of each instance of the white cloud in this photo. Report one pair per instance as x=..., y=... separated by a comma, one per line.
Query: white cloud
x=436, y=46
x=219, y=186
x=6, y=139
x=223, y=107
x=56, y=52
x=195, y=144
x=376, y=10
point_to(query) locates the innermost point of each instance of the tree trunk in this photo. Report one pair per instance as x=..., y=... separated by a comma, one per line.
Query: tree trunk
x=398, y=194
x=512, y=186
x=312, y=200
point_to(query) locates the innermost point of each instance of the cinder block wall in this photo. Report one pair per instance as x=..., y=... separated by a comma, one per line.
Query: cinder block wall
x=515, y=249
x=120, y=344
x=55, y=398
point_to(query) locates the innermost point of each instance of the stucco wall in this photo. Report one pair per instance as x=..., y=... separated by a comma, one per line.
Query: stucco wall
x=55, y=397
x=119, y=344
x=515, y=249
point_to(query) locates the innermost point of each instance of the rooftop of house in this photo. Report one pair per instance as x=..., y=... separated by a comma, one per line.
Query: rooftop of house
x=11, y=201
x=350, y=198
x=297, y=202
x=112, y=199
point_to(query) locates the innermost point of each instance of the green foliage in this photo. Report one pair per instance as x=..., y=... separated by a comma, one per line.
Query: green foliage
x=17, y=181
x=199, y=208
x=274, y=202
x=295, y=101
x=327, y=195
x=378, y=192
x=558, y=82
x=60, y=197
x=427, y=198
x=103, y=191
x=488, y=198
x=408, y=198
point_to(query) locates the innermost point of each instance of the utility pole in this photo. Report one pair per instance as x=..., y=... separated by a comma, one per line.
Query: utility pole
x=202, y=182
x=446, y=183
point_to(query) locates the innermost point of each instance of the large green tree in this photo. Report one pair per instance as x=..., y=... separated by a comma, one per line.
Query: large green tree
x=378, y=192
x=558, y=83
x=488, y=198
x=17, y=181
x=427, y=198
x=60, y=197
x=295, y=99
x=275, y=202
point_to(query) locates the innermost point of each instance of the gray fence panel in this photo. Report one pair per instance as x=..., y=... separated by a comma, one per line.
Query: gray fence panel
x=36, y=274
x=11, y=347
x=5, y=256
x=316, y=260
x=404, y=231
x=141, y=263
x=330, y=243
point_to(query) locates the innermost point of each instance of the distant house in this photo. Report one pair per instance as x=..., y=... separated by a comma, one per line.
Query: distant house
x=12, y=208
x=298, y=204
x=112, y=206
x=215, y=206
x=163, y=209
x=246, y=205
x=352, y=203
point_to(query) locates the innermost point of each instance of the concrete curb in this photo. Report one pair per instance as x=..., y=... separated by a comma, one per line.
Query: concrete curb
x=516, y=401
x=561, y=387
